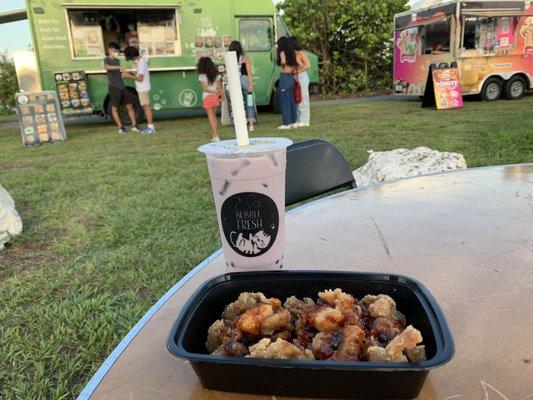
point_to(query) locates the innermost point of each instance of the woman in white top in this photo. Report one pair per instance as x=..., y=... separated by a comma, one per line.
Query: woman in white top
x=247, y=81
x=304, y=108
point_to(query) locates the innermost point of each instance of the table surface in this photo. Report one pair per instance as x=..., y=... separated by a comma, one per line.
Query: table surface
x=466, y=235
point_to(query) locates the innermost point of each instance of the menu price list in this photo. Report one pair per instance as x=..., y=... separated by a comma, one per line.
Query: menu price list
x=40, y=118
x=73, y=92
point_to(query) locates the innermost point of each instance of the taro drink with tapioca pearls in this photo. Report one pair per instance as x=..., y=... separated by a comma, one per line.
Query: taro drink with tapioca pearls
x=249, y=193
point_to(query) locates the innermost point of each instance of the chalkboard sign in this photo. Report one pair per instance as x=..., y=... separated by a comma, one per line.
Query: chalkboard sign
x=73, y=92
x=40, y=118
x=443, y=87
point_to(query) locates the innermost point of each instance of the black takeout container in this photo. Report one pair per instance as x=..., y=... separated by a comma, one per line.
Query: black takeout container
x=319, y=379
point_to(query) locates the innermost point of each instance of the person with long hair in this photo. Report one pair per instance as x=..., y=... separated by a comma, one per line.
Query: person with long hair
x=212, y=88
x=289, y=67
x=247, y=81
x=304, y=108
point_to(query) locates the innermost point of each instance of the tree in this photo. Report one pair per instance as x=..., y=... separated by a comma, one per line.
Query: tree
x=352, y=38
x=8, y=84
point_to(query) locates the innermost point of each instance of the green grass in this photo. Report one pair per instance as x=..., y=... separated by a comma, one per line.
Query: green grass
x=111, y=222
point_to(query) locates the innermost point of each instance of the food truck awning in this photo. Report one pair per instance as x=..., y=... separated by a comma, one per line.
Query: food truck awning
x=13, y=16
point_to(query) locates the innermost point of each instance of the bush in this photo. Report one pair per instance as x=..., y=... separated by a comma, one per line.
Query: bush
x=8, y=84
x=352, y=38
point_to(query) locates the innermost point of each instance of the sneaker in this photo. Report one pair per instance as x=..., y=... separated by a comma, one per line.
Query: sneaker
x=136, y=128
x=216, y=139
x=122, y=130
x=251, y=128
x=148, y=131
x=285, y=127
x=296, y=125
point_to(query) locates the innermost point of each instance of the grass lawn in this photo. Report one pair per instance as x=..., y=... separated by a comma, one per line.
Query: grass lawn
x=111, y=222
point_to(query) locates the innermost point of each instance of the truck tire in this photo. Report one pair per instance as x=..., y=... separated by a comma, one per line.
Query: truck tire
x=139, y=114
x=491, y=90
x=515, y=88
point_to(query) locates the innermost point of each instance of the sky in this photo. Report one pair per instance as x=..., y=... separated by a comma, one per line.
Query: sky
x=15, y=35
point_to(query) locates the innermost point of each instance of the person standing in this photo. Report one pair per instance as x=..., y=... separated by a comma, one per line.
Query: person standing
x=304, y=108
x=247, y=81
x=142, y=84
x=289, y=67
x=211, y=82
x=118, y=93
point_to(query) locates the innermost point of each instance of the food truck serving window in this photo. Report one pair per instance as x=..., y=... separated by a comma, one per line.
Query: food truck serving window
x=487, y=35
x=435, y=37
x=154, y=32
x=256, y=34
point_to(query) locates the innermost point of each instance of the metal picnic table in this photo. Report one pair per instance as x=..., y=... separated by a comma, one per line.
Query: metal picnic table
x=467, y=235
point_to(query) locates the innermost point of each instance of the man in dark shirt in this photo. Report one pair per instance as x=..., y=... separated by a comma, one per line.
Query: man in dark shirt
x=118, y=93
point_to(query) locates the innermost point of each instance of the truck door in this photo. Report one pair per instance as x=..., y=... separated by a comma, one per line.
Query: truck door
x=256, y=35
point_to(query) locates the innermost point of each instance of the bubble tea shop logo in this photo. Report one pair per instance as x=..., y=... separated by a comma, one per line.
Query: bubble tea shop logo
x=250, y=223
x=187, y=98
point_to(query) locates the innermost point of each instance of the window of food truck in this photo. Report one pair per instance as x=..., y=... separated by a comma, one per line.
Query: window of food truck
x=255, y=34
x=154, y=32
x=435, y=37
x=487, y=35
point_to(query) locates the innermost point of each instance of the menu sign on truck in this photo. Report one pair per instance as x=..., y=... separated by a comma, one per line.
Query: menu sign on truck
x=73, y=92
x=443, y=88
x=40, y=118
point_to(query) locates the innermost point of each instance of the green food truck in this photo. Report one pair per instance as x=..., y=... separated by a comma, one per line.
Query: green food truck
x=69, y=39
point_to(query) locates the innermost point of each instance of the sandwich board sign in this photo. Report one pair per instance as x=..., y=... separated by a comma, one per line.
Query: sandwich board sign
x=443, y=87
x=40, y=118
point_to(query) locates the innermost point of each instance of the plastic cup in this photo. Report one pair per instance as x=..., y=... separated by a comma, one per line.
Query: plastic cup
x=249, y=191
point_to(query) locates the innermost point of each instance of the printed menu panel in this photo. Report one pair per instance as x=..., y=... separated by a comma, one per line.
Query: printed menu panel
x=448, y=93
x=73, y=92
x=40, y=118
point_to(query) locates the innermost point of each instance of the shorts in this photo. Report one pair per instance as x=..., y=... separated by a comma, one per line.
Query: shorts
x=211, y=101
x=117, y=97
x=144, y=98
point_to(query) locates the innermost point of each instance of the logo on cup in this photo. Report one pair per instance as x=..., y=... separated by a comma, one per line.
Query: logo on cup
x=250, y=222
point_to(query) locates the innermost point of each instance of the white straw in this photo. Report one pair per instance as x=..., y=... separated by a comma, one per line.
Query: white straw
x=237, y=101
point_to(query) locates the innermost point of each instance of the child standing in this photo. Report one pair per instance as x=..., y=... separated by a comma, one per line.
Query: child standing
x=118, y=93
x=142, y=84
x=212, y=88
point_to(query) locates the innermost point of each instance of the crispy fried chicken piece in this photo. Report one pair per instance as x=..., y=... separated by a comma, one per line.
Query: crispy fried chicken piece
x=296, y=306
x=219, y=333
x=416, y=354
x=406, y=340
x=341, y=344
x=247, y=301
x=279, y=350
x=263, y=320
x=379, y=306
x=232, y=349
x=386, y=329
x=343, y=302
x=325, y=319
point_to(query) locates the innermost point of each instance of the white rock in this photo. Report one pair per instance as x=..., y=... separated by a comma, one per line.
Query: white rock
x=10, y=221
x=402, y=163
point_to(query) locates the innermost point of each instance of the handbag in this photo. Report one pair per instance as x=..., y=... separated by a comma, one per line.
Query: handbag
x=297, y=90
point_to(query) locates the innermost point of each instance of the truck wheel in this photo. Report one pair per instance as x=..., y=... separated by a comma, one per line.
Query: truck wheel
x=492, y=89
x=514, y=88
x=123, y=112
x=274, y=103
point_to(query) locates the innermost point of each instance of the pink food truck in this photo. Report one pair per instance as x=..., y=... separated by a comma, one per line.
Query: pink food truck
x=491, y=42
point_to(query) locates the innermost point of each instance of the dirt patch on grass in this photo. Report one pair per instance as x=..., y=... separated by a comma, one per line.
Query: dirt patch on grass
x=24, y=256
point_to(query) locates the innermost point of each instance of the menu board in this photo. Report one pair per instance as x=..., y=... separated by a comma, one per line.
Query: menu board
x=443, y=87
x=211, y=46
x=448, y=93
x=40, y=118
x=158, y=40
x=73, y=92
